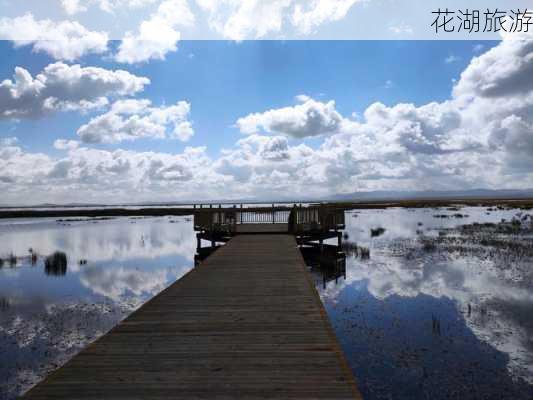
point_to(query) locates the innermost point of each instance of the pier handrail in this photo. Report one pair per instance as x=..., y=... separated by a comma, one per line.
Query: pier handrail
x=314, y=218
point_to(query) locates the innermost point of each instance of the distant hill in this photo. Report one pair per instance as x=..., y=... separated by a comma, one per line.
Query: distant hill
x=435, y=195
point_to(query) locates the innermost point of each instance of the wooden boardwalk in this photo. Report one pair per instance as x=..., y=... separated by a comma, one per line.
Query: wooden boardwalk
x=261, y=228
x=247, y=323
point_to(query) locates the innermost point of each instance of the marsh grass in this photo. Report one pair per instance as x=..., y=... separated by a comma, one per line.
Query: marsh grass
x=351, y=249
x=428, y=245
x=375, y=232
x=12, y=260
x=435, y=322
x=364, y=253
x=56, y=264
x=33, y=256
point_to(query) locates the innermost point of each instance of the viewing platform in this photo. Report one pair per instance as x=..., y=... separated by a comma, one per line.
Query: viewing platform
x=307, y=224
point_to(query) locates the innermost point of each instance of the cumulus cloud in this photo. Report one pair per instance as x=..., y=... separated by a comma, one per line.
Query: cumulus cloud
x=309, y=15
x=64, y=40
x=158, y=35
x=72, y=6
x=480, y=137
x=135, y=119
x=64, y=87
x=311, y=118
x=504, y=70
x=240, y=19
x=102, y=175
x=488, y=120
x=63, y=144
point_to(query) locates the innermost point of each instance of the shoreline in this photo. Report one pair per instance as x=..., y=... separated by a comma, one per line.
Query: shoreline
x=90, y=212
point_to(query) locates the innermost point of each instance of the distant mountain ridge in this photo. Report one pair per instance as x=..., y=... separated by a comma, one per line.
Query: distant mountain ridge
x=435, y=195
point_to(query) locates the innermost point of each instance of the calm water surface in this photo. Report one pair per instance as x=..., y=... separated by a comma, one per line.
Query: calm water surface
x=413, y=323
x=47, y=316
x=439, y=324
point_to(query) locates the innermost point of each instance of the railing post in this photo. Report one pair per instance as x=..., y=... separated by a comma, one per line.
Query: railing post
x=273, y=214
x=211, y=217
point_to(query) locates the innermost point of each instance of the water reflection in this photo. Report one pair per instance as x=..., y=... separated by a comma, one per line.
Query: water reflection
x=327, y=263
x=439, y=324
x=447, y=323
x=80, y=278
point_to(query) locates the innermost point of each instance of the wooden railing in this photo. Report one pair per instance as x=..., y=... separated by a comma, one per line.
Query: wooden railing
x=306, y=219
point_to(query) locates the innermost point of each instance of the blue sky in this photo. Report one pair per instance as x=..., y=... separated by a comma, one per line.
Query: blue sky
x=153, y=116
x=225, y=80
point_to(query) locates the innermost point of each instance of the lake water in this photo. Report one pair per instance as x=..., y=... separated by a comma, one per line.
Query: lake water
x=448, y=319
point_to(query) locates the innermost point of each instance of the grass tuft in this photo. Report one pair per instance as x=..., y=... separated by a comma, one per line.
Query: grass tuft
x=56, y=264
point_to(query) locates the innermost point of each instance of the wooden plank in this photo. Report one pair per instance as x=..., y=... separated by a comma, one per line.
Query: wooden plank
x=247, y=323
x=260, y=228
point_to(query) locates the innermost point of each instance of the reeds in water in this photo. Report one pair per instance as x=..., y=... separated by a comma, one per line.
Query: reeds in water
x=12, y=260
x=56, y=264
x=33, y=256
x=353, y=250
x=375, y=232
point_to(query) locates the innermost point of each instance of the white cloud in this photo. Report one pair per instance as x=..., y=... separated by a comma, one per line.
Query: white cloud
x=480, y=137
x=311, y=118
x=239, y=19
x=62, y=144
x=488, y=121
x=73, y=6
x=401, y=29
x=64, y=40
x=64, y=87
x=245, y=19
x=311, y=14
x=119, y=175
x=158, y=35
x=503, y=70
x=135, y=119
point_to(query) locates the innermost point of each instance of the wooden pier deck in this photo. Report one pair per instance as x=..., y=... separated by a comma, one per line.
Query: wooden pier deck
x=247, y=323
x=261, y=228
